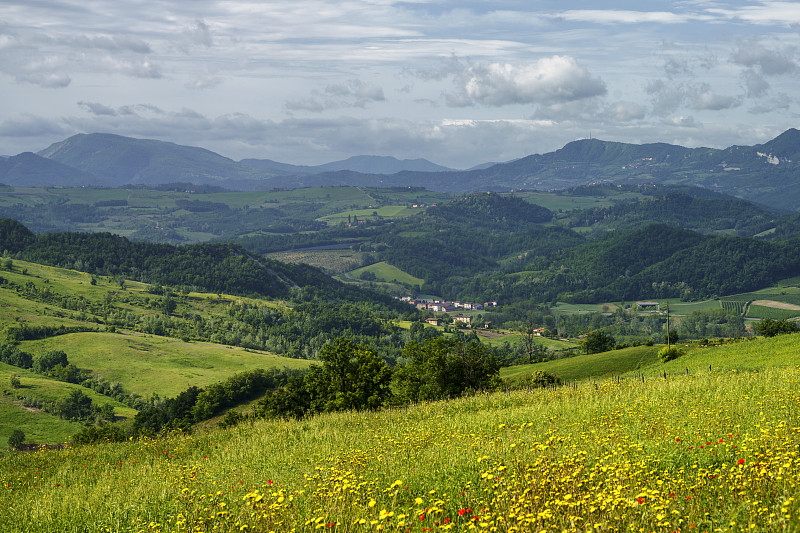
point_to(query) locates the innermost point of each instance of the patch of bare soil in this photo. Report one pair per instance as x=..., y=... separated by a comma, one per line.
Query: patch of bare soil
x=488, y=334
x=776, y=305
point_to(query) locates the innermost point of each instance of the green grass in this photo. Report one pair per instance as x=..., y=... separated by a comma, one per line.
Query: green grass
x=760, y=311
x=385, y=272
x=143, y=364
x=383, y=212
x=332, y=261
x=580, y=367
x=39, y=426
x=654, y=456
x=147, y=364
x=554, y=201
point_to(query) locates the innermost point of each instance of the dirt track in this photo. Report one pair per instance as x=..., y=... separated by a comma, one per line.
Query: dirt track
x=776, y=305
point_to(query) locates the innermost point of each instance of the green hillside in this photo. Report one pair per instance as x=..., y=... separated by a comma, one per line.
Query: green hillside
x=148, y=364
x=682, y=453
x=383, y=271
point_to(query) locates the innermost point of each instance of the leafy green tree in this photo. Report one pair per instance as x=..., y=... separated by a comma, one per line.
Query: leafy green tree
x=43, y=363
x=443, y=367
x=671, y=337
x=16, y=439
x=76, y=406
x=597, y=341
x=351, y=377
x=769, y=327
x=543, y=378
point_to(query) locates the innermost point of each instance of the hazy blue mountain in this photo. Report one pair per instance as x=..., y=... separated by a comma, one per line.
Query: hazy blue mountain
x=365, y=164
x=30, y=170
x=767, y=173
x=374, y=164
x=118, y=160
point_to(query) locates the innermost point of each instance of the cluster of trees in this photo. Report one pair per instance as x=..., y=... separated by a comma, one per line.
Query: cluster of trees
x=353, y=377
x=769, y=327
x=212, y=267
x=52, y=363
x=678, y=210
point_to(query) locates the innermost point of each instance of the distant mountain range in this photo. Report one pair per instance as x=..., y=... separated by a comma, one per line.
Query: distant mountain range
x=768, y=173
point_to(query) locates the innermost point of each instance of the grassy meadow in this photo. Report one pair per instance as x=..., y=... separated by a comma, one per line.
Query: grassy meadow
x=385, y=272
x=143, y=364
x=714, y=450
x=147, y=364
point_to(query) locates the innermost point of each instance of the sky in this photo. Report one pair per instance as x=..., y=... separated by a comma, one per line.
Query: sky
x=458, y=82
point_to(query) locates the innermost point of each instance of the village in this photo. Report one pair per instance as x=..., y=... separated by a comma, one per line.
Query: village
x=442, y=306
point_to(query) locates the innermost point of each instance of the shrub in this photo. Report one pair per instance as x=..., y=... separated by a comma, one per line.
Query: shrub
x=668, y=354
x=16, y=439
x=542, y=378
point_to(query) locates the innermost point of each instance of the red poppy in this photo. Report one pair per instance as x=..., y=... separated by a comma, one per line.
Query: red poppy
x=461, y=512
x=740, y=462
x=640, y=500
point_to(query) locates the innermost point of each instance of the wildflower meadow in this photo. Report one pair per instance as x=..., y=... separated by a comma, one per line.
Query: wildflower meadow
x=704, y=450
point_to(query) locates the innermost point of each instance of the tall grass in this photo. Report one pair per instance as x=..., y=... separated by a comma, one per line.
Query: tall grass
x=714, y=450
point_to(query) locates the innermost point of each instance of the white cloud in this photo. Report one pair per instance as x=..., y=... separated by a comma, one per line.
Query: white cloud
x=113, y=43
x=98, y=109
x=682, y=121
x=763, y=13
x=770, y=62
x=350, y=93
x=617, y=16
x=706, y=99
x=548, y=81
x=358, y=92
x=199, y=34
x=28, y=125
x=754, y=83
x=780, y=102
x=626, y=111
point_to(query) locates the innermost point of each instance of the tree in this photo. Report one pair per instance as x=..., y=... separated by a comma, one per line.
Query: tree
x=76, y=406
x=16, y=439
x=443, y=367
x=671, y=337
x=769, y=327
x=45, y=362
x=351, y=377
x=597, y=341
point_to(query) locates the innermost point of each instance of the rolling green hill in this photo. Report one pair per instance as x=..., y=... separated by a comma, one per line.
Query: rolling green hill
x=660, y=454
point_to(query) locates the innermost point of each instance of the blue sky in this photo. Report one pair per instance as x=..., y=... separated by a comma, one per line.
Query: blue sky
x=459, y=83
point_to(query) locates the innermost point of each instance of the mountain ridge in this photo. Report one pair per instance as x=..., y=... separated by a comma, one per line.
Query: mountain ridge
x=765, y=173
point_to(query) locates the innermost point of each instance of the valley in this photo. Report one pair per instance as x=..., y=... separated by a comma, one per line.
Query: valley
x=362, y=358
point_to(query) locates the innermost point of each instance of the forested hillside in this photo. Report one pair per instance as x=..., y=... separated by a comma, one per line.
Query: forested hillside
x=210, y=267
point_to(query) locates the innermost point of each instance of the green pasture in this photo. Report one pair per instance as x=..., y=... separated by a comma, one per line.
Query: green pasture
x=385, y=272
x=555, y=202
x=384, y=212
x=579, y=367
x=761, y=311
x=39, y=426
x=563, y=307
x=754, y=354
x=147, y=364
